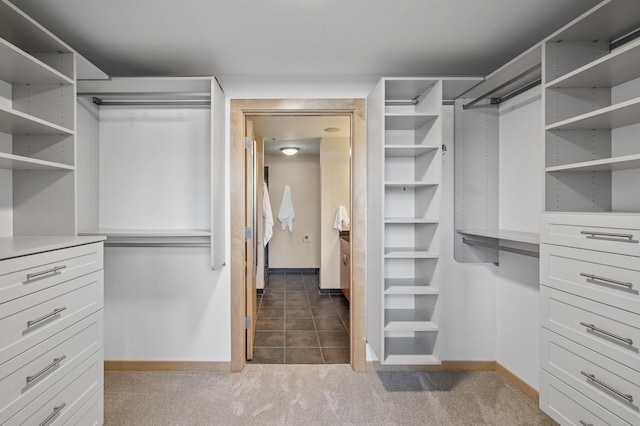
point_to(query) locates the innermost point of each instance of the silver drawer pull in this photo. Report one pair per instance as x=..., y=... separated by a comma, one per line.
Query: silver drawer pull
x=583, y=423
x=607, y=234
x=56, y=410
x=615, y=336
x=607, y=280
x=45, y=317
x=55, y=362
x=53, y=270
x=592, y=377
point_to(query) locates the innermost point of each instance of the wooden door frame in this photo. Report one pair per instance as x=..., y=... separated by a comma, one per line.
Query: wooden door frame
x=356, y=109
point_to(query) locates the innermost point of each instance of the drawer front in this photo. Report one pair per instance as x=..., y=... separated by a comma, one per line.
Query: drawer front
x=29, y=274
x=60, y=402
x=54, y=309
x=26, y=376
x=614, y=386
x=568, y=407
x=91, y=413
x=619, y=234
x=604, y=277
x=594, y=325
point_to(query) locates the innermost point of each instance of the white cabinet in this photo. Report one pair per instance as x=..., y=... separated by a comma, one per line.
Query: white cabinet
x=51, y=328
x=590, y=252
x=404, y=162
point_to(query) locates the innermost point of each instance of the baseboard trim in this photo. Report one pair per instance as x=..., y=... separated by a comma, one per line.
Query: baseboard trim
x=518, y=383
x=166, y=366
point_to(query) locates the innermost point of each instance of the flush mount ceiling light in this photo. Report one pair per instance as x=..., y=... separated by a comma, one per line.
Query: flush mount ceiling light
x=332, y=129
x=289, y=150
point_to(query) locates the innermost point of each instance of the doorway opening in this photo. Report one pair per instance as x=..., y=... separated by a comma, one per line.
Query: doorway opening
x=247, y=177
x=302, y=196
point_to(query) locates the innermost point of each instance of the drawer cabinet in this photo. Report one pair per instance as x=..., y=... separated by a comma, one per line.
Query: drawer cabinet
x=51, y=336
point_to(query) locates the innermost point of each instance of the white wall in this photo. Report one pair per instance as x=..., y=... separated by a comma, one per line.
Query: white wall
x=335, y=187
x=6, y=176
x=302, y=174
x=517, y=280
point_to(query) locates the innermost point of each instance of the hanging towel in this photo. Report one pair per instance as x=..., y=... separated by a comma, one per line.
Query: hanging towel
x=341, y=222
x=267, y=214
x=286, y=213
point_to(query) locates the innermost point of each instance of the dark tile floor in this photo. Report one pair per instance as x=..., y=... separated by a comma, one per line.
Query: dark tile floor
x=298, y=325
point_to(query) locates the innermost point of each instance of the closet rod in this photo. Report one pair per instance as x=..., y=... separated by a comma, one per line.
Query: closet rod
x=499, y=247
x=401, y=102
x=154, y=102
x=499, y=100
x=520, y=76
x=171, y=245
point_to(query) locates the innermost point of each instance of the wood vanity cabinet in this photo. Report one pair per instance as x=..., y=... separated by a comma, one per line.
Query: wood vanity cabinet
x=345, y=268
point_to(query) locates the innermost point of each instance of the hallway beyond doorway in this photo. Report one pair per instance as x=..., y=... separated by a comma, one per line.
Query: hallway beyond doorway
x=298, y=325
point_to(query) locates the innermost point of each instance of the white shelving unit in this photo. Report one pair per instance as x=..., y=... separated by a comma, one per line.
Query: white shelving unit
x=169, y=124
x=404, y=204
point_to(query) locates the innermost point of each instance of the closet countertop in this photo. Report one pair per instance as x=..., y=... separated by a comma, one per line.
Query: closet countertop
x=24, y=246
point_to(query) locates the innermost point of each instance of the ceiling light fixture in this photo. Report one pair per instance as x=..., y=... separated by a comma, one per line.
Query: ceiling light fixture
x=289, y=150
x=332, y=129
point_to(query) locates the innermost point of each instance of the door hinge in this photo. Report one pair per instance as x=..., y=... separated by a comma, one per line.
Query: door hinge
x=247, y=323
x=247, y=233
x=248, y=143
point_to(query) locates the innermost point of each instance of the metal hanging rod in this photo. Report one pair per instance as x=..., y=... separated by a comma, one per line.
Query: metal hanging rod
x=518, y=77
x=403, y=102
x=500, y=99
x=151, y=102
x=499, y=247
x=162, y=245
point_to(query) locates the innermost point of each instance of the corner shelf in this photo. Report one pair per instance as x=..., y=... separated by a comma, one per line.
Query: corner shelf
x=18, y=162
x=503, y=234
x=618, y=115
x=19, y=123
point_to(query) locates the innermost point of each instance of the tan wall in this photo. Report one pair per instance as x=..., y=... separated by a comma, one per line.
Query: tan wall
x=302, y=174
x=335, y=191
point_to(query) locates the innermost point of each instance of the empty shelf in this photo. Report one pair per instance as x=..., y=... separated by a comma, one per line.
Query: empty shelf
x=408, y=253
x=407, y=150
x=617, y=163
x=18, y=123
x=619, y=66
x=17, y=67
x=619, y=115
x=503, y=234
x=407, y=121
x=408, y=184
x=407, y=320
x=149, y=232
x=408, y=286
x=18, y=162
x=411, y=360
x=409, y=220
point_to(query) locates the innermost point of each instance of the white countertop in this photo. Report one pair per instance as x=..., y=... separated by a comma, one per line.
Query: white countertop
x=23, y=246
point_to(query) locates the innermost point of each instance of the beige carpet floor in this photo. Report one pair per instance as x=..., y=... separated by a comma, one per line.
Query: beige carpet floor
x=315, y=395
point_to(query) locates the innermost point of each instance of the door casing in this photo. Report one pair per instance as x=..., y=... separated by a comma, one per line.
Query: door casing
x=356, y=109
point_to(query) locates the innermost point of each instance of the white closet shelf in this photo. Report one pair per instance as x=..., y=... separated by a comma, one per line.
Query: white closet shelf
x=409, y=350
x=409, y=184
x=18, y=162
x=409, y=121
x=407, y=150
x=626, y=162
x=619, y=66
x=19, y=123
x=408, y=253
x=148, y=233
x=409, y=359
x=611, y=117
x=17, y=67
x=408, y=286
x=407, y=320
x=405, y=88
x=409, y=220
x=504, y=234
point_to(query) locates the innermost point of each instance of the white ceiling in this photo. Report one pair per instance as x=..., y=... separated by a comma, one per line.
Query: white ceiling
x=303, y=132
x=301, y=37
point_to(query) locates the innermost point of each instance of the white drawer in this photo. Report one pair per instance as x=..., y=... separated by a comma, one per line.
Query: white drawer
x=573, y=364
x=28, y=274
x=26, y=376
x=609, y=233
x=608, y=278
x=79, y=298
x=60, y=402
x=563, y=313
x=91, y=413
x=567, y=406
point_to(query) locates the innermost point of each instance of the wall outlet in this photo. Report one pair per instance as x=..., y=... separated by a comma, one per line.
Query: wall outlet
x=306, y=239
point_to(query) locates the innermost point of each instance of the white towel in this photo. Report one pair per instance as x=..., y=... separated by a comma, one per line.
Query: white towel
x=341, y=222
x=267, y=215
x=286, y=213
